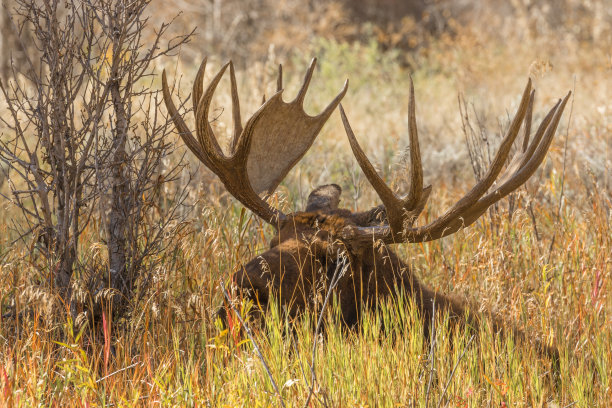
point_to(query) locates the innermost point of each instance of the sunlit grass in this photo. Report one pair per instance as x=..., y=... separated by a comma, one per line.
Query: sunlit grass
x=386, y=362
x=547, y=269
x=171, y=352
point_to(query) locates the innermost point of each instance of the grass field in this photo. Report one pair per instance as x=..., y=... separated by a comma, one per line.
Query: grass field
x=546, y=265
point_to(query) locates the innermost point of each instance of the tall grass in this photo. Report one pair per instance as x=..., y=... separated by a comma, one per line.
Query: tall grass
x=548, y=269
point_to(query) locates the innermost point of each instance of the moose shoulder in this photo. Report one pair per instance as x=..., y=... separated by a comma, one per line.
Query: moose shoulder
x=305, y=251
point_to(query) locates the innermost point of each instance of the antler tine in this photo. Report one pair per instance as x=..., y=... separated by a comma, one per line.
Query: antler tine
x=539, y=154
x=334, y=103
x=416, y=169
x=198, y=89
x=279, y=79
x=206, y=137
x=539, y=133
x=184, y=131
x=198, y=85
x=235, y=110
x=299, y=99
x=528, y=119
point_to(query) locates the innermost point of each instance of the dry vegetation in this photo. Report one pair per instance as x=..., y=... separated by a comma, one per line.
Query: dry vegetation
x=544, y=262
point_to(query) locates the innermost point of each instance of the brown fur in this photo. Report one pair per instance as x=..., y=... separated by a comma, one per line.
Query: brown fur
x=302, y=258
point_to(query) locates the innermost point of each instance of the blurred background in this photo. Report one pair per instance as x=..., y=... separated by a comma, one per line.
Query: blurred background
x=481, y=50
x=245, y=30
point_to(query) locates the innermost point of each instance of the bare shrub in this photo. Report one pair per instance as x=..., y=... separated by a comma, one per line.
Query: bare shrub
x=86, y=145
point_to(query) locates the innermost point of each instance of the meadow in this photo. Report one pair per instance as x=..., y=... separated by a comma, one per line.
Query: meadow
x=542, y=259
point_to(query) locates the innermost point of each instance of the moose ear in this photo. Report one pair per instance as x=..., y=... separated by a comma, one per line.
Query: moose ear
x=324, y=198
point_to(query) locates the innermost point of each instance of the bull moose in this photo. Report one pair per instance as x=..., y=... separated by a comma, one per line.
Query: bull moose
x=303, y=254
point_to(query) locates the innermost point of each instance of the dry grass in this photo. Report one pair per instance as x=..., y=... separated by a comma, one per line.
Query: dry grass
x=550, y=273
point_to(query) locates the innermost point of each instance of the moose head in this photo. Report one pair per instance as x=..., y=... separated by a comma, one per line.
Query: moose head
x=304, y=255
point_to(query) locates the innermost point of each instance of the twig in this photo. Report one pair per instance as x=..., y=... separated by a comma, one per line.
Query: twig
x=117, y=372
x=533, y=222
x=248, y=332
x=454, y=369
x=432, y=351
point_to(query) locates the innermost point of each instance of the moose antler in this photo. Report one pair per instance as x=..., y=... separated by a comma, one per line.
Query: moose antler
x=402, y=212
x=272, y=141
